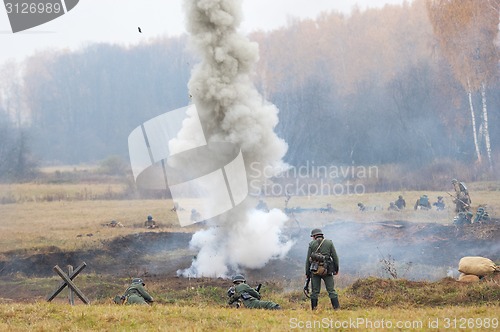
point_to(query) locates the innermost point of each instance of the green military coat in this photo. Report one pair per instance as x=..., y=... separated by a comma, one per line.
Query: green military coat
x=251, y=298
x=136, y=294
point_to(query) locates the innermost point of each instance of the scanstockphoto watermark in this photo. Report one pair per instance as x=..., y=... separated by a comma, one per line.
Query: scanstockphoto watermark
x=434, y=323
x=26, y=14
x=355, y=323
x=310, y=179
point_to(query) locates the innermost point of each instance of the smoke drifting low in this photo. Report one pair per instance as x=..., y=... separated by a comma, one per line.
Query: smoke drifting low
x=231, y=110
x=248, y=242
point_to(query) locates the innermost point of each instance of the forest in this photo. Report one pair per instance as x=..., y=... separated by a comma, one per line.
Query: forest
x=411, y=84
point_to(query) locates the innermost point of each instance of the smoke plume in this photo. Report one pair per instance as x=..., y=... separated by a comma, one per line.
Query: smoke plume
x=232, y=110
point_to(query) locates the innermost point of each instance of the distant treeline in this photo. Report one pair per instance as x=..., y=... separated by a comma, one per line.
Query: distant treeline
x=373, y=87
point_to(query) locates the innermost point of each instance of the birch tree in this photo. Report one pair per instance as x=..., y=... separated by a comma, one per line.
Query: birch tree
x=466, y=31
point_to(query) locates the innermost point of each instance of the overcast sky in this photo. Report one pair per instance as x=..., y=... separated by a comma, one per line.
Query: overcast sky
x=116, y=21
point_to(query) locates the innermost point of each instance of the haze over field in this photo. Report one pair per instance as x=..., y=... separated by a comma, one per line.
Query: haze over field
x=347, y=94
x=413, y=99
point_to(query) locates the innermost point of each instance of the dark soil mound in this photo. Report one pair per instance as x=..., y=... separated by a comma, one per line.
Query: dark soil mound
x=127, y=253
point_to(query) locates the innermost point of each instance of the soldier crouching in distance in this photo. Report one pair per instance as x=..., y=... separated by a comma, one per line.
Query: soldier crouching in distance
x=150, y=223
x=242, y=292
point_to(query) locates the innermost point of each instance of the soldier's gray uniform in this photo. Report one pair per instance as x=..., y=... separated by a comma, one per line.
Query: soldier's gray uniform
x=462, y=200
x=328, y=250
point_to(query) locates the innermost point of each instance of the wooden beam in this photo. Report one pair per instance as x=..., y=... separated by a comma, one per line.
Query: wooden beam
x=63, y=284
x=70, y=283
x=71, y=296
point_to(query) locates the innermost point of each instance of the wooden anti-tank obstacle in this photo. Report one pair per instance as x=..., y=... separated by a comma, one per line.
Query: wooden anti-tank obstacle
x=67, y=281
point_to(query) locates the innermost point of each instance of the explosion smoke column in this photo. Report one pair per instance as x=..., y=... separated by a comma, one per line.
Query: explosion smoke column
x=232, y=110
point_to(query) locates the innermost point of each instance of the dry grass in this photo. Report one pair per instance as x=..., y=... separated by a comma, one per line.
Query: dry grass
x=34, y=224
x=60, y=317
x=33, y=192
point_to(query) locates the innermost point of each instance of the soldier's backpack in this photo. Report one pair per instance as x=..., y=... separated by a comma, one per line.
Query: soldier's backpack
x=318, y=262
x=424, y=201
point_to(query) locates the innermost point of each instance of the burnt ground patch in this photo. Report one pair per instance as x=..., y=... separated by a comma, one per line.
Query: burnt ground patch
x=158, y=255
x=125, y=253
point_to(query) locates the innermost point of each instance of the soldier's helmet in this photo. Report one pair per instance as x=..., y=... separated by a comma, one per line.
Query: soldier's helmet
x=316, y=231
x=480, y=209
x=440, y=197
x=454, y=181
x=150, y=217
x=138, y=281
x=400, y=197
x=238, y=278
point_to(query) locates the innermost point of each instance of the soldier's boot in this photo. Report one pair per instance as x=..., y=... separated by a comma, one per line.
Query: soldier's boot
x=314, y=304
x=335, y=303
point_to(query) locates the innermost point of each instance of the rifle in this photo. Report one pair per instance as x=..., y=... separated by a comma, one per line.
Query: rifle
x=306, y=286
x=258, y=288
x=458, y=199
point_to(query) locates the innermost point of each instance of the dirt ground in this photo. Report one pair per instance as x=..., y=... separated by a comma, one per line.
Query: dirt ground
x=423, y=251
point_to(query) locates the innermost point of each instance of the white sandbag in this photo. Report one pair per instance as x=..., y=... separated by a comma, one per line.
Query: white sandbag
x=468, y=278
x=479, y=266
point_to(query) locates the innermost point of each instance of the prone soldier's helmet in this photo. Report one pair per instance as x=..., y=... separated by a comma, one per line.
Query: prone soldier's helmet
x=316, y=232
x=150, y=217
x=238, y=278
x=138, y=281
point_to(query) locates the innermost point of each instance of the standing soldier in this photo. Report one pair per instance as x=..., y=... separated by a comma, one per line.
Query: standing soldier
x=250, y=296
x=136, y=294
x=322, y=263
x=462, y=199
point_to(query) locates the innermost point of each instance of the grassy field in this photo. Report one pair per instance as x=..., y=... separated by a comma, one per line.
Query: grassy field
x=369, y=304
x=32, y=224
x=59, y=317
